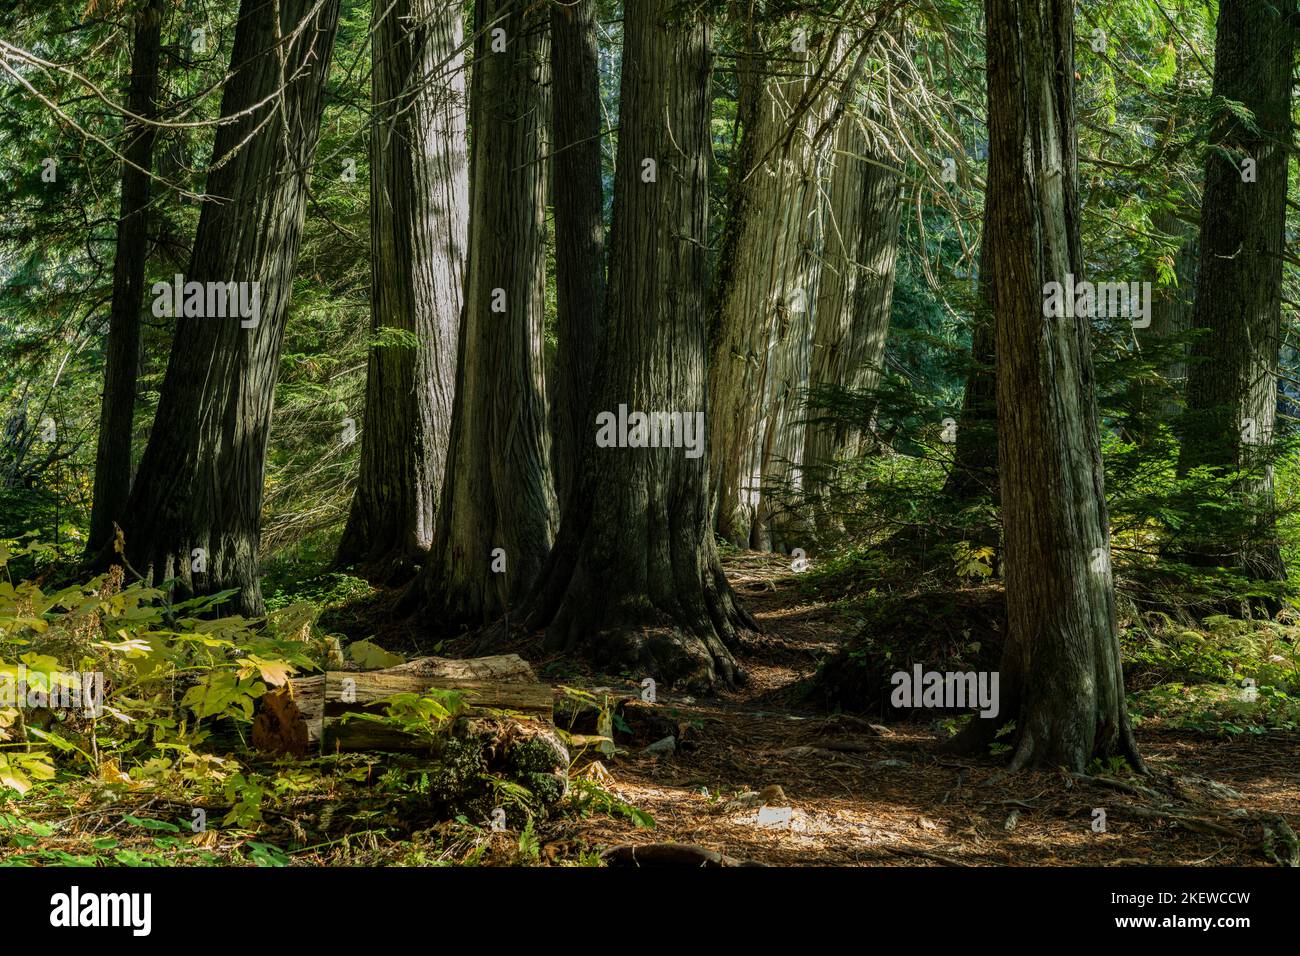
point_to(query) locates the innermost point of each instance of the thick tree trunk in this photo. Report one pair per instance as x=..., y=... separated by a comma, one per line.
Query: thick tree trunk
x=777, y=523
x=194, y=511
x=496, y=519
x=419, y=209
x=766, y=290
x=579, y=205
x=1061, y=679
x=1171, y=317
x=634, y=581
x=1232, y=381
x=854, y=301
x=737, y=351
x=122, y=361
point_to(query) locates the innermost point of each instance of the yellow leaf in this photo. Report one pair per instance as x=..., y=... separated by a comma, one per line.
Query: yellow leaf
x=371, y=656
x=275, y=673
x=111, y=773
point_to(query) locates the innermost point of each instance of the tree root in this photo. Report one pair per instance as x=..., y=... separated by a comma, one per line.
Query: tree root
x=1173, y=801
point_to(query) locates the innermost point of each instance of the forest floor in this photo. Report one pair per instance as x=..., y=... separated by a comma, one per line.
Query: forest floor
x=760, y=774
x=865, y=794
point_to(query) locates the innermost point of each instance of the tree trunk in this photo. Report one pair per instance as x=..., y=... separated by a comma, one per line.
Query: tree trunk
x=1232, y=381
x=854, y=301
x=122, y=361
x=496, y=519
x=737, y=351
x=419, y=207
x=634, y=581
x=579, y=205
x=975, y=457
x=1061, y=679
x=1171, y=317
x=194, y=511
x=777, y=523
x=766, y=288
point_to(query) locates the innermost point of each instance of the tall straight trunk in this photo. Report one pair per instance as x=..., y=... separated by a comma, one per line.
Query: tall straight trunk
x=854, y=300
x=634, y=581
x=796, y=271
x=194, y=511
x=122, y=361
x=419, y=210
x=975, y=458
x=579, y=205
x=766, y=287
x=736, y=350
x=496, y=520
x=1061, y=680
x=1171, y=316
x=1232, y=381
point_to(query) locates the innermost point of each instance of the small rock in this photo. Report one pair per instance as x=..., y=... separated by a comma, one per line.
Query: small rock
x=666, y=746
x=756, y=798
x=775, y=816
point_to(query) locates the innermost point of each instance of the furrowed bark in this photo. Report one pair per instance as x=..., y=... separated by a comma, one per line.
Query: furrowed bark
x=579, y=232
x=419, y=210
x=122, y=361
x=855, y=298
x=1060, y=679
x=635, y=581
x=195, y=508
x=766, y=290
x=1232, y=379
x=496, y=519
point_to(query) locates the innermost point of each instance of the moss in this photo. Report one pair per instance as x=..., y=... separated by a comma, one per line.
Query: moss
x=457, y=773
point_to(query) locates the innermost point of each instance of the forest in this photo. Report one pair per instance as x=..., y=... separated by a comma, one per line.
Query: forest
x=628, y=433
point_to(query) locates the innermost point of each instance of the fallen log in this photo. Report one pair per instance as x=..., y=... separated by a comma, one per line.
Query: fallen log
x=307, y=714
x=505, y=730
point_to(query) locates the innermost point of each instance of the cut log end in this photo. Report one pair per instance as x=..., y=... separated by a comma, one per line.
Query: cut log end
x=279, y=727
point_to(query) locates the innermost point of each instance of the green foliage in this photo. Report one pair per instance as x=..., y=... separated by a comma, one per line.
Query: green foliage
x=588, y=797
x=176, y=679
x=1226, y=676
x=429, y=714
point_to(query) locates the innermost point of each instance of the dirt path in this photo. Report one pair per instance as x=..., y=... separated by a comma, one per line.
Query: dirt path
x=859, y=796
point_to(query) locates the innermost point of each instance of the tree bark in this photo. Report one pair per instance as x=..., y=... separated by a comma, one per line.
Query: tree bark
x=579, y=205
x=736, y=349
x=1171, y=317
x=1061, y=679
x=419, y=208
x=1232, y=380
x=766, y=289
x=975, y=458
x=634, y=580
x=122, y=361
x=854, y=301
x=496, y=519
x=777, y=521
x=196, y=501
